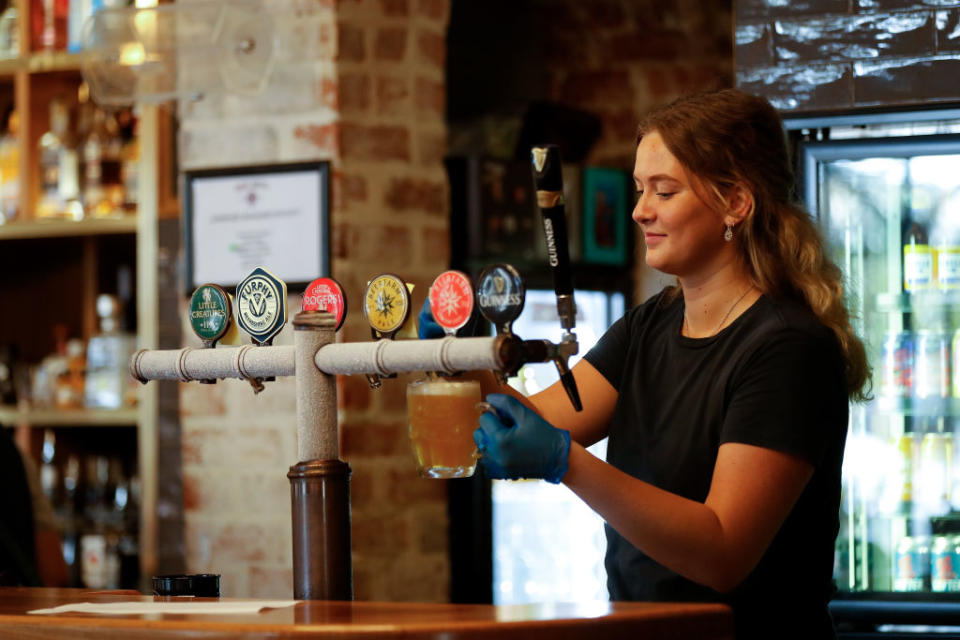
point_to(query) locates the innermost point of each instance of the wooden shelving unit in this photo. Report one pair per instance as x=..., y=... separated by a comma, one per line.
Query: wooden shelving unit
x=68, y=418
x=54, y=270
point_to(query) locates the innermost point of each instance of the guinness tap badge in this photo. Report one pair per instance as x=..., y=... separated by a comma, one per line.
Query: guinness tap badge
x=261, y=305
x=501, y=295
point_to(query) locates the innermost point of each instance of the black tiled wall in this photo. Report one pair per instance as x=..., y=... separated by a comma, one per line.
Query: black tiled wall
x=826, y=55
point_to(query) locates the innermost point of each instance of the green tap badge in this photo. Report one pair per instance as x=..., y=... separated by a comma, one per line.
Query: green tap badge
x=210, y=313
x=261, y=305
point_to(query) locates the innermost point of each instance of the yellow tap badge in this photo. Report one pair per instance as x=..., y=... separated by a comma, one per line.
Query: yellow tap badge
x=386, y=303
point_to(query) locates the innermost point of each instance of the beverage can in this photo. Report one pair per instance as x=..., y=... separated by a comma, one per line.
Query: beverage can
x=897, y=374
x=912, y=564
x=945, y=563
x=932, y=365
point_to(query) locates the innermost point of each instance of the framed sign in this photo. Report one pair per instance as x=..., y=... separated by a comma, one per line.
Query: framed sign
x=605, y=216
x=240, y=218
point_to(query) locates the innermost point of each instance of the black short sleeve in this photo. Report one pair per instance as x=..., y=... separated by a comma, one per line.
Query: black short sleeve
x=608, y=354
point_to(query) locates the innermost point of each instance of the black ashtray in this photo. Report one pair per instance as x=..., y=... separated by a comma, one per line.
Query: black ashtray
x=200, y=585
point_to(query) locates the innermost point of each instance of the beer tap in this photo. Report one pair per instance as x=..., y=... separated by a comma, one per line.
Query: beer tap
x=261, y=312
x=386, y=307
x=548, y=180
x=211, y=316
x=451, y=302
x=500, y=296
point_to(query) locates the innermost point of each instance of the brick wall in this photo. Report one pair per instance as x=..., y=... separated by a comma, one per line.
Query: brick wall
x=619, y=58
x=361, y=84
x=825, y=55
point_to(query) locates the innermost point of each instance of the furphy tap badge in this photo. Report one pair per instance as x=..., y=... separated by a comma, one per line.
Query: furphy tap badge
x=261, y=305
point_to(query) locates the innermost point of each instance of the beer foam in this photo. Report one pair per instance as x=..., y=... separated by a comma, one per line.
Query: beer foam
x=445, y=388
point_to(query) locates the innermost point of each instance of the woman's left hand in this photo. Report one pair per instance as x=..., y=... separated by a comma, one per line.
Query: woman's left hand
x=516, y=443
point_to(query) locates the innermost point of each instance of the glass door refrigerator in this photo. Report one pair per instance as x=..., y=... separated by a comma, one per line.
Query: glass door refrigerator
x=886, y=191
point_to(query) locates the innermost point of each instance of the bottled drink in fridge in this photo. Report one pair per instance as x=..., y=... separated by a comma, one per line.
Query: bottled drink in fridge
x=932, y=364
x=896, y=376
x=918, y=264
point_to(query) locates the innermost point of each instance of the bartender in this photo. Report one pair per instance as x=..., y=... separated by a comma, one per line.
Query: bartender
x=724, y=396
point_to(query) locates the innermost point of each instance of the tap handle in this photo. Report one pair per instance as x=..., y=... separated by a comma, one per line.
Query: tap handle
x=569, y=383
x=548, y=180
x=500, y=296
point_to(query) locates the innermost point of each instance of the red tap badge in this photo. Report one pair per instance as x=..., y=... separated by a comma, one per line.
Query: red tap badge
x=451, y=300
x=326, y=294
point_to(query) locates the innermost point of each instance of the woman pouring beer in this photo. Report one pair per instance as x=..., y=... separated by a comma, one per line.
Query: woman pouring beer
x=724, y=396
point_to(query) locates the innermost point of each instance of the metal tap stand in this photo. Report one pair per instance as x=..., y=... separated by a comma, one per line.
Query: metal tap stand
x=320, y=481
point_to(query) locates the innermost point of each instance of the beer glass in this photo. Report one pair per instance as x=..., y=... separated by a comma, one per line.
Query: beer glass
x=443, y=416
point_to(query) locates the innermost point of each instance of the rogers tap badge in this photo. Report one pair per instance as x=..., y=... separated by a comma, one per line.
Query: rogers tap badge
x=326, y=294
x=261, y=305
x=386, y=305
x=210, y=313
x=451, y=300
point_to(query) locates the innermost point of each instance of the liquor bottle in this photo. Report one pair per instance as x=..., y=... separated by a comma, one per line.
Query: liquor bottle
x=77, y=15
x=918, y=263
x=90, y=129
x=10, y=32
x=10, y=169
x=99, y=566
x=48, y=24
x=108, y=353
x=111, y=164
x=130, y=163
x=59, y=168
x=66, y=512
x=69, y=385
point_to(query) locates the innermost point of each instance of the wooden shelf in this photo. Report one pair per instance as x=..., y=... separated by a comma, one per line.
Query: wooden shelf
x=66, y=228
x=53, y=61
x=42, y=62
x=13, y=416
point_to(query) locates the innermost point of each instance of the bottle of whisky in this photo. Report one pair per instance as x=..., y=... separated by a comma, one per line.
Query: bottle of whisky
x=10, y=170
x=59, y=168
x=108, y=353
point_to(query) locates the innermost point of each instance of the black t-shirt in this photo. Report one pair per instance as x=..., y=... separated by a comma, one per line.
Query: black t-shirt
x=773, y=378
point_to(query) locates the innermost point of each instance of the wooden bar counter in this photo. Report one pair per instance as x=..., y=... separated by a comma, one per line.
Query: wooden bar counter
x=365, y=620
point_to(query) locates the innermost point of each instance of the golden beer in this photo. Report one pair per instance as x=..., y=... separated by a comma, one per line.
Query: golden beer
x=443, y=416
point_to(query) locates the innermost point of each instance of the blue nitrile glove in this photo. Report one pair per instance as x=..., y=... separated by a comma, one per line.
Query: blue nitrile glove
x=517, y=443
x=427, y=327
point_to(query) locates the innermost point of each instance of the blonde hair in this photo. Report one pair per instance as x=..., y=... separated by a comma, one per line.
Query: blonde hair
x=729, y=137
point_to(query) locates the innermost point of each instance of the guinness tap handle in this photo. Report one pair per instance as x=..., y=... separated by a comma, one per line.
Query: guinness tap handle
x=548, y=179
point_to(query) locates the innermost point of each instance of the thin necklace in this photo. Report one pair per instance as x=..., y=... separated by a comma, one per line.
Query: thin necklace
x=686, y=322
